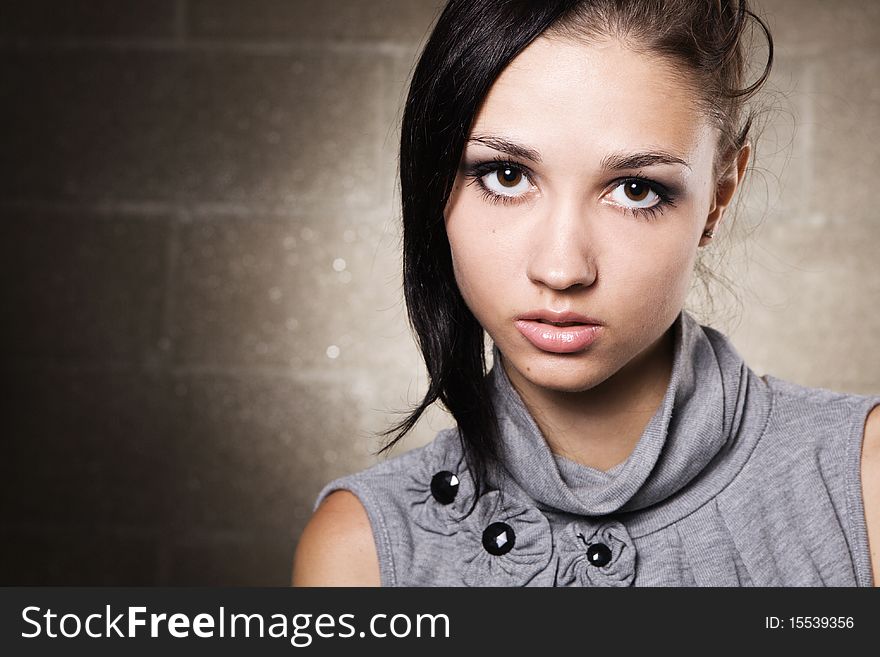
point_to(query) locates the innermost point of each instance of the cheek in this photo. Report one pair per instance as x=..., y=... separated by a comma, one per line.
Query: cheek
x=657, y=272
x=483, y=257
x=472, y=265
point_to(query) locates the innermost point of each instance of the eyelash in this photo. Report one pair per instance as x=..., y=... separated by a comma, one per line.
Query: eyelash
x=476, y=172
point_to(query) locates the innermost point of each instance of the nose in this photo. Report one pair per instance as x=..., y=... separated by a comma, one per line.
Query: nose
x=562, y=251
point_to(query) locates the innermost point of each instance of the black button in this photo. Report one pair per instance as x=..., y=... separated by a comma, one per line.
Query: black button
x=599, y=554
x=444, y=486
x=498, y=538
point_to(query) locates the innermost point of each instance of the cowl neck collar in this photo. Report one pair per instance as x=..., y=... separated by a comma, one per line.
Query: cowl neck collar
x=697, y=421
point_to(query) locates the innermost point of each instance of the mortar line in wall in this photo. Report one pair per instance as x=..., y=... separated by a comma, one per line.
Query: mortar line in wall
x=205, y=210
x=165, y=544
x=172, y=253
x=181, y=16
x=192, y=211
x=396, y=89
x=163, y=559
x=140, y=208
x=135, y=368
x=142, y=368
x=297, y=375
x=191, y=536
x=808, y=137
x=386, y=125
x=120, y=530
x=294, y=46
x=201, y=536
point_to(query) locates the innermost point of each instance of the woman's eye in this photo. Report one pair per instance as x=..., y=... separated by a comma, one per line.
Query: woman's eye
x=506, y=180
x=635, y=194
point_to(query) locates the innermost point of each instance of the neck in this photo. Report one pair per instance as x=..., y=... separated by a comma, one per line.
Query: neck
x=601, y=426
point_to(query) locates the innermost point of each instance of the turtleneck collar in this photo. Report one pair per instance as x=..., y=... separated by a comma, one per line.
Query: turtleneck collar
x=696, y=422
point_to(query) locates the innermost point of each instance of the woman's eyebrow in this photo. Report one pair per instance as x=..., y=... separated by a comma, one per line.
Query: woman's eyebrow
x=637, y=160
x=505, y=146
x=611, y=162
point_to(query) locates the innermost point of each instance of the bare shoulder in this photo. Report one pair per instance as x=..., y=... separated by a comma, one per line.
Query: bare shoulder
x=871, y=486
x=336, y=547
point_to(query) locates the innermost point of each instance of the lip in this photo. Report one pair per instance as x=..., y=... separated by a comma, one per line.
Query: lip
x=558, y=316
x=558, y=339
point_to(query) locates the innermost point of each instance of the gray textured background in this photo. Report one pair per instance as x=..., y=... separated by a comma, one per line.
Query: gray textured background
x=202, y=311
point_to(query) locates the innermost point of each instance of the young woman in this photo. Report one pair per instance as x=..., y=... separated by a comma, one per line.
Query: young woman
x=562, y=163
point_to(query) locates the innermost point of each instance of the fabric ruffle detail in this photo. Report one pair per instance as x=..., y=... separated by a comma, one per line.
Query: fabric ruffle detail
x=427, y=512
x=575, y=568
x=525, y=563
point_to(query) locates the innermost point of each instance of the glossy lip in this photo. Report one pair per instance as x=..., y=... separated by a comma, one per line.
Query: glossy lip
x=558, y=339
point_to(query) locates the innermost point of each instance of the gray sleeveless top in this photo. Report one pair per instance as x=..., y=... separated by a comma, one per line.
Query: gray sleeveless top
x=736, y=481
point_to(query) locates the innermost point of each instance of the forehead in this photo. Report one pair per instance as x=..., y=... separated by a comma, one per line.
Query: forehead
x=593, y=98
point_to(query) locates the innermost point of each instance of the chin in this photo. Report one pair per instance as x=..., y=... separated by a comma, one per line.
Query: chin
x=576, y=382
x=561, y=372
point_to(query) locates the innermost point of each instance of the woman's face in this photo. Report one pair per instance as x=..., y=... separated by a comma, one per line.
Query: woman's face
x=585, y=187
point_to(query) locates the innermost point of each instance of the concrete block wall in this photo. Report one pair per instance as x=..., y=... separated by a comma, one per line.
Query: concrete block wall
x=203, y=318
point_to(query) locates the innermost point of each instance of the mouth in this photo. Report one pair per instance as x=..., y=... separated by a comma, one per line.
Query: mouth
x=558, y=318
x=545, y=321
x=559, y=337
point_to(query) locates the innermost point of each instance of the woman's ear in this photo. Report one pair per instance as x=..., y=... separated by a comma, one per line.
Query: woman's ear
x=725, y=188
